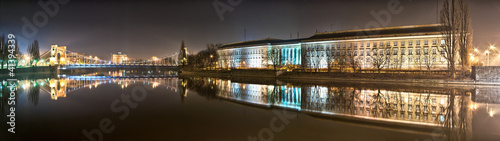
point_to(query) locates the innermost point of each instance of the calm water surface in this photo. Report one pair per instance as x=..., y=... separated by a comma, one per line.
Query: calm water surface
x=165, y=107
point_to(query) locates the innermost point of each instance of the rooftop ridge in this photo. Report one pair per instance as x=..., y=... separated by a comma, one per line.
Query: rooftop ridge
x=380, y=28
x=252, y=41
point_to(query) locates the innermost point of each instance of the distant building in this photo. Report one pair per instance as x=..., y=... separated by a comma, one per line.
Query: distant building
x=402, y=47
x=119, y=58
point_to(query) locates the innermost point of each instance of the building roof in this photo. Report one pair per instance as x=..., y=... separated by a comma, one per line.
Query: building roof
x=411, y=30
x=265, y=41
x=430, y=29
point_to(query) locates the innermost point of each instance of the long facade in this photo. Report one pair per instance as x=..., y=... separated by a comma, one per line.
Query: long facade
x=403, y=47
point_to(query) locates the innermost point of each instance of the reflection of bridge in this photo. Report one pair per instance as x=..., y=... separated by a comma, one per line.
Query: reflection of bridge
x=58, y=88
x=60, y=56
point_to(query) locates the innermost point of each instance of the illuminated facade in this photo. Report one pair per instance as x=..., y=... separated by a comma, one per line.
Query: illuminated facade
x=402, y=47
x=119, y=58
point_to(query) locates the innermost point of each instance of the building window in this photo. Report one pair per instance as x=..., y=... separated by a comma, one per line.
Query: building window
x=343, y=45
x=395, y=51
x=355, y=53
x=443, y=59
x=418, y=59
x=426, y=42
x=395, y=44
x=367, y=44
x=355, y=44
x=410, y=43
x=426, y=51
x=374, y=44
x=388, y=52
x=402, y=43
x=410, y=59
x=349, y=45
x=442, y=42
x=418, y=51
x=361, y=44
x=433, y=59
x=362, y=53
x=426, y=59
x=388, y=43
x=434, y=51
x=381, y=43
x=418, y=42
x=402, y=51
x=434, y=42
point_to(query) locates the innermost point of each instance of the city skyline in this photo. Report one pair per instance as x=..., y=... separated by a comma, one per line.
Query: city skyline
x=110, y=26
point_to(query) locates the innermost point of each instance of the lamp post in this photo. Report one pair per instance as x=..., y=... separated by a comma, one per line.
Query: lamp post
x=491, y=48
x=211, y=56
x=488, y=58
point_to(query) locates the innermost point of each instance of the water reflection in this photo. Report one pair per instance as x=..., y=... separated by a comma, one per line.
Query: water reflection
x=445, y=113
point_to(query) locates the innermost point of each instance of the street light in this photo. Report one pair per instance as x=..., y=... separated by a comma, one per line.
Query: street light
x=488, y=57
x=211, y=56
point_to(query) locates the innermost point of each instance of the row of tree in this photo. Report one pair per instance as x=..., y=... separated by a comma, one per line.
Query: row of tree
x=203, y=59
x=33, y=51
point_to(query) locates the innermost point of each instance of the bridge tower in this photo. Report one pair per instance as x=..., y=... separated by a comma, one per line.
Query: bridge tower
x=57, y=55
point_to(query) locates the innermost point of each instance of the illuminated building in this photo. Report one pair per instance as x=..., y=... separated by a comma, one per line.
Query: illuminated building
x=119, y=58
x=402, y=47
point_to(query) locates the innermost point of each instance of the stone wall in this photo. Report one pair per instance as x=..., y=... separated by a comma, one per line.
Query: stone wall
x=255, y=72
x=486, y=73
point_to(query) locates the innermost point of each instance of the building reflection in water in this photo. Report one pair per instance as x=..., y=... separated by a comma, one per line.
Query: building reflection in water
x=445, y=110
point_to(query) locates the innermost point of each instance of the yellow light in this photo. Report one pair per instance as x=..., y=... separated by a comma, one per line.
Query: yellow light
x=487, y=52
x=26, y=58
x=475, y=49
x=491, y=47
x=62, y=58
x=491, y=113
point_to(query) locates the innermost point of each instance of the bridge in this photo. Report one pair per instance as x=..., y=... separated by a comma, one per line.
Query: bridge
x=65, y=59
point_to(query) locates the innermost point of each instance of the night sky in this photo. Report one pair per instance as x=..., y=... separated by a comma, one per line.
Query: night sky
x=143, y=29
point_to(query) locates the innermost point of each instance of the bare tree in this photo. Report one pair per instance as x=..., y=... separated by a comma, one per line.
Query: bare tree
x=379, y=59
x=275, y=56
x=464, y=33
x=456, y=27
x=353, y=62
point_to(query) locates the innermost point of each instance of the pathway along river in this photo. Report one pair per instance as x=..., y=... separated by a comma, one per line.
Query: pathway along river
x=123, y=105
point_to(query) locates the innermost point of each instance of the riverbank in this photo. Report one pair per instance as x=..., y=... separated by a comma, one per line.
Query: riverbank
x=305, y=77
x=31, y=72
